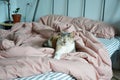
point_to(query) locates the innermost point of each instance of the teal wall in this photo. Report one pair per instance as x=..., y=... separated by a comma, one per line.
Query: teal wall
x=4, y=8
x=93, y=9
x=3, y=12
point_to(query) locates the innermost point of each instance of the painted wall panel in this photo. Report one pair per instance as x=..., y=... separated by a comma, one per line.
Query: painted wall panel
x=75, y=8
x=60, y=7
x=112, y=11
x=3, y=12
x=4, y=9
x=44, y=8
x=92, y=9
x=26, y=9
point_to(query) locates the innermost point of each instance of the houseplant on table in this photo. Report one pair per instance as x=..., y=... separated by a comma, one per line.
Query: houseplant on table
x=16, y=17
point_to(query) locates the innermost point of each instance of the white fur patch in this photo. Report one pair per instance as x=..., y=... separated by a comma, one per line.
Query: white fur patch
x=67, y=48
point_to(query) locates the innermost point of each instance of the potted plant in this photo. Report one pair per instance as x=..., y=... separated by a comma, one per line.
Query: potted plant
x=16, y=17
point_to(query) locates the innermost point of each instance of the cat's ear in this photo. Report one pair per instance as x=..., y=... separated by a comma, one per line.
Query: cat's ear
x=55, y=37
x=60, y=34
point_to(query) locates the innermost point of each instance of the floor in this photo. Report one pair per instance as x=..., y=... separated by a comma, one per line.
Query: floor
x=116, y=75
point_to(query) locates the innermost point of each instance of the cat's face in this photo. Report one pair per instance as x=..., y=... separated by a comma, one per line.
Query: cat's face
x=65, y=38
x=65, y=44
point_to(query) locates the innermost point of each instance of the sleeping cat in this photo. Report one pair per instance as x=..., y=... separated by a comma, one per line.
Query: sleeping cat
x=62, y=43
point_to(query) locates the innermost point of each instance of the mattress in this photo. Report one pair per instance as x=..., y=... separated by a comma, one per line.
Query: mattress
x=48, y=76
x=111, y=44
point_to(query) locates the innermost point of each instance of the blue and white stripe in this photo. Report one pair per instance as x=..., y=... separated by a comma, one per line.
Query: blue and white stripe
x=111, y=45
x=48, y=76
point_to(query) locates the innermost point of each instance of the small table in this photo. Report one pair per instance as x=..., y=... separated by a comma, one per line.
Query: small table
x=6, y=26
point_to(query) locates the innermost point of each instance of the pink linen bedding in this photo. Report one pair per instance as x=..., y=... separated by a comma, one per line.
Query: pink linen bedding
x=26, y=56
x=99, y=29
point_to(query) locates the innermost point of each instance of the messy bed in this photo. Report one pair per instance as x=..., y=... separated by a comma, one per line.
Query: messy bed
x=22, y=55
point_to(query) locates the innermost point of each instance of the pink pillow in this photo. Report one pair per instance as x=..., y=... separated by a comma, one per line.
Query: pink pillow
x=99, y=29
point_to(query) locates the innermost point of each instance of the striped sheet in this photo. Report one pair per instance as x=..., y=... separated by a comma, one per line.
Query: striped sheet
x=48, y=76
x=111, y=44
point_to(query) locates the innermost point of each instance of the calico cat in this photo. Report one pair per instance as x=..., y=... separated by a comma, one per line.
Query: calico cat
x=62, y=43
x=51, y=42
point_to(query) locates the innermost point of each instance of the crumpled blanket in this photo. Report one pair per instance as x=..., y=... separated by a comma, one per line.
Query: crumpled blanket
x=26, y=56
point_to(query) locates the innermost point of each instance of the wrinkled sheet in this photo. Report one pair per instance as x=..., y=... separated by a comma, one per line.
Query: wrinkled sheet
x=22, y=54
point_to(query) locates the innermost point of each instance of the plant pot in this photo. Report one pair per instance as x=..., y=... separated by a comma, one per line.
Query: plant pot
x=16, y=18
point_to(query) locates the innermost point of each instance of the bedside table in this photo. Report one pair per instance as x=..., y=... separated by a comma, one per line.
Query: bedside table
x=6, y=26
